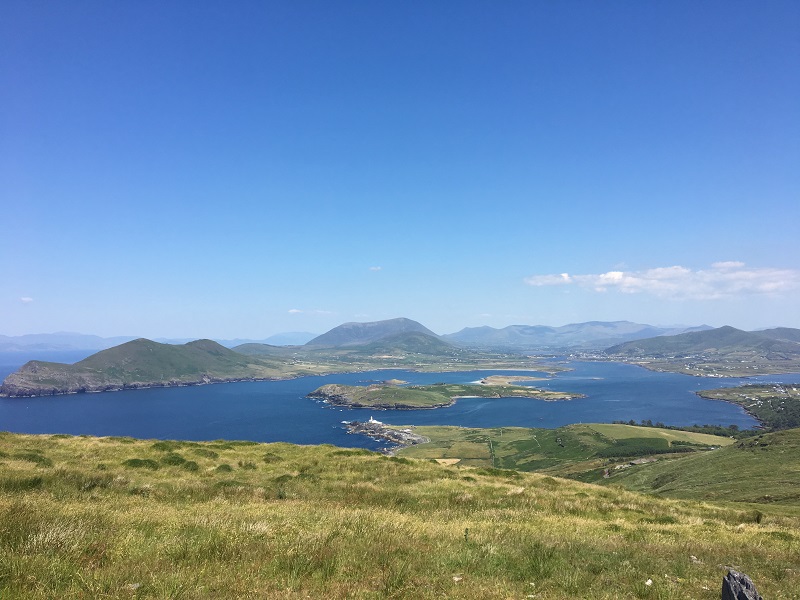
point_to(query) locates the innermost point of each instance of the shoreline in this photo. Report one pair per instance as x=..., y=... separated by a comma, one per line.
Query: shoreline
x=761, y=424
x=376, y=430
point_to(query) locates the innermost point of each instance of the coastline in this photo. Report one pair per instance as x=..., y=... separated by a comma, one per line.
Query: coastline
x=376, y=430
x=761, y=424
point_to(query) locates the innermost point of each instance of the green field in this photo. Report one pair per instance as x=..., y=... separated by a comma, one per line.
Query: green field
x=764, y=469
x=581, y=450
x=84, y=517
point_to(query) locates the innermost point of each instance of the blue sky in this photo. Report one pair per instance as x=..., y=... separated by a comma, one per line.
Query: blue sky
x=213, y=169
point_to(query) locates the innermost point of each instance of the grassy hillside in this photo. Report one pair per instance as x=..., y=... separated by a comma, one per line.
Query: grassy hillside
x=764, y=469
x=121, y=518
x=581, y=450
x=415, y=341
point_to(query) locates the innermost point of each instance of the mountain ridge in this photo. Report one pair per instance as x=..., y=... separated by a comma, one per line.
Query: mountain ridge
x=586, y=335
x=356, y=333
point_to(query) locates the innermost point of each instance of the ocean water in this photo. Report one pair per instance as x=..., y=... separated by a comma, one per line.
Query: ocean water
x=280, y=411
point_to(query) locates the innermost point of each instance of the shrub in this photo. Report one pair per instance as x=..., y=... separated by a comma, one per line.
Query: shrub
x=141, y=463
x=224, y=468
x=507, y=473
x=33, y=457
x=166, y=446
x=173, y=458
x=204, y=452
x=20, y=484
x=352, y=452
x=271, y=457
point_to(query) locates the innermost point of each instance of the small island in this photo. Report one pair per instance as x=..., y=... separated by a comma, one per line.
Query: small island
x=392, y=397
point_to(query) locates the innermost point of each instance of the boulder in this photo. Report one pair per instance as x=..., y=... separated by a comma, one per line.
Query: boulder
x=738, y=586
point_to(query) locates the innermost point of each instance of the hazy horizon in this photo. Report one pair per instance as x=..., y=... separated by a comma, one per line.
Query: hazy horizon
x=239, y=171
x=311, y=333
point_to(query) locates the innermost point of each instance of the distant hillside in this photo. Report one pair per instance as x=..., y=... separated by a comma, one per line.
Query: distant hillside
x=352, y=334
x=781, y=333
x=256, y=349
x=589, y=335
x=141, y=363
x=723, y=340
x=412, y=341
x=290, y=338
x=726, y=352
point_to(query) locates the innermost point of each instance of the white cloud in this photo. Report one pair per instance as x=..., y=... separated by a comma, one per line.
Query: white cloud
x=723, y=279
x=375, y=268
x=26, y=299
x=297, y=311
x=540, y=280
x=728, y=264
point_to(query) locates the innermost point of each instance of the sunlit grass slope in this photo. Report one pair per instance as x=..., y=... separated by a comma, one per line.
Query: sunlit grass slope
x=121, y=518
x=763, y=469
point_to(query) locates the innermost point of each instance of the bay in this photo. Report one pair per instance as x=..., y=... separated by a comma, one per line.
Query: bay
x=280, y=411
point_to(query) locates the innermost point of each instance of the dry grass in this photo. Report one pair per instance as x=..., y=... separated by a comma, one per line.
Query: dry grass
x=298, y=522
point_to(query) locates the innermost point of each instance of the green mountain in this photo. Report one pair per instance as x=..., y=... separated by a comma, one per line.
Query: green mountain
x=412, y=341
x=141, y=363
x=354, y=334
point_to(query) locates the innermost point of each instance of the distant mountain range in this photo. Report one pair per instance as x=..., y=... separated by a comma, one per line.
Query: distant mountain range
x=78, y=341
x=721, y=352
x=590, y=335
x=723, y=340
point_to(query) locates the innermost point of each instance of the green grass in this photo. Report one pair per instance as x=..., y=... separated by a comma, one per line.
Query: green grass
x=335, y=523
x=764, y=469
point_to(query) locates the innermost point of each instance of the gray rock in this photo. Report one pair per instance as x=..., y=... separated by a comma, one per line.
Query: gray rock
x=738, y=586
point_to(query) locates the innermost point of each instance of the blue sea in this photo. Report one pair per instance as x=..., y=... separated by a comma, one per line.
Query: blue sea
x=280, y=411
